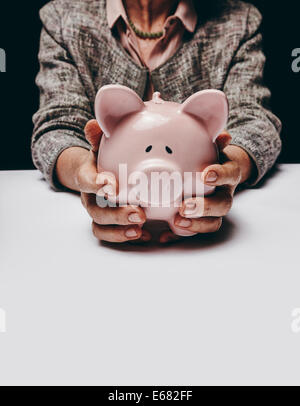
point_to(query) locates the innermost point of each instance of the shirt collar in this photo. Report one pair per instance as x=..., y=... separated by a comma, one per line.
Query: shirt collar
x=115, y=9
x=185, y=12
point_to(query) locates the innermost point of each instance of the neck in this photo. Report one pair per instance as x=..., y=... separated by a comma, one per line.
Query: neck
x=149, y=15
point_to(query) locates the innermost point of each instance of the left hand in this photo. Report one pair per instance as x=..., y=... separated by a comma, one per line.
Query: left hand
x=202, y=215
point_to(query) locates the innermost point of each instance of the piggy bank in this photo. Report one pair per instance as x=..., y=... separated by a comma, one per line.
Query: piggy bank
x=158, y=149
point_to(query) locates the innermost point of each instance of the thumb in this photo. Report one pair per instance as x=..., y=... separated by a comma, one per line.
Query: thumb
x=223, y=140
x=107, y=184
x=93, y=134
x=219, y=175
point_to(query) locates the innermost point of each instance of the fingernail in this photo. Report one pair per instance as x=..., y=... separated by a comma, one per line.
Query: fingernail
x=100, y=179
x=131, y=233
x=134, y=218
x=184, y=223
x=105, y=178
x=189, y=208
x=211, y=176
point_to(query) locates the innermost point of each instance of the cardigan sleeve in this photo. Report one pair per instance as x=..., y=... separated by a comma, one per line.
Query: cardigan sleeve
x=64, y=107
x=252, y=125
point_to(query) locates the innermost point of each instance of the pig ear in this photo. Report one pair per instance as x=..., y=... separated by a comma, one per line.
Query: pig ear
x=211, y=107
x=114, y=102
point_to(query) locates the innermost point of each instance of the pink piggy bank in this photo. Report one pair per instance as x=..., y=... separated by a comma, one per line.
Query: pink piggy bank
x=158, y=149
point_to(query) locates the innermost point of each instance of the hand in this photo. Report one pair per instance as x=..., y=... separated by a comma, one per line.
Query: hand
x=202, y=215
x=77, y=169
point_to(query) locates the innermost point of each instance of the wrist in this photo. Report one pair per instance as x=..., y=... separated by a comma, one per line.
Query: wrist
x=68, y=164
x=243, y=159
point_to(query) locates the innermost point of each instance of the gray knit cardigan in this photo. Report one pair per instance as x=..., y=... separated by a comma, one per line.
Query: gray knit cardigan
x=79, y=54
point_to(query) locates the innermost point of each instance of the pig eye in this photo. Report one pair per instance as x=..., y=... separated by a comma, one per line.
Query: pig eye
x=169, y=151
x=148, y=149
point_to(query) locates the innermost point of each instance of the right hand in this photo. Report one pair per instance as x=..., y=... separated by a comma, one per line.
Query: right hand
x=117, y=224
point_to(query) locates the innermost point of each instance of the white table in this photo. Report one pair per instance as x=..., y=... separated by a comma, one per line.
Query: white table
x=215, y=311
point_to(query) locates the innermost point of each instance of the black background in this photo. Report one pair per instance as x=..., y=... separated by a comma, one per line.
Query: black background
x=19, y=36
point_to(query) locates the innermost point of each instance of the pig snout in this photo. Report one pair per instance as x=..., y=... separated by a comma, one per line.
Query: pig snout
x=162, y=183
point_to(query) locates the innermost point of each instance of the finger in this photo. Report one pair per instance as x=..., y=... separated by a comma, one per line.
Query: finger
x=168, y=237
x=108, y=184
x=217, y=205
x=218, y=175
x=116, y=234
x=93, y=134
x=90, y=181
x=204, y=225
x=112, y=215
x=223, y=140
x=145, y=237
x=86, y=177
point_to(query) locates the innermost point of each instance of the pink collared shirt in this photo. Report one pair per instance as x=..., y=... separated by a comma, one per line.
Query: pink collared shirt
x=184, y=19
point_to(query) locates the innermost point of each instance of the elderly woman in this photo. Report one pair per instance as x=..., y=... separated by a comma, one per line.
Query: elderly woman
x=174, y=47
